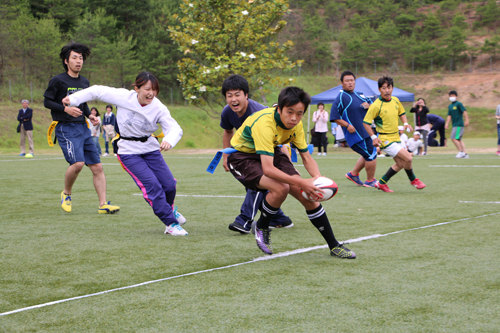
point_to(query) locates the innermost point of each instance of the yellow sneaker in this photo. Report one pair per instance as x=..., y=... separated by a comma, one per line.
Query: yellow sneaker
x=66, y=202
x=107, y=208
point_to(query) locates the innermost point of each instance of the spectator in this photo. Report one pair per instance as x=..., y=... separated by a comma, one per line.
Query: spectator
x=437, y=126
x=421, y=123
x=25, y=127
x=95, y=130
x=497, y=115
x=320, y=117
x=403, y=137
x=109, y=128
x=415, y=144
x=456, y=114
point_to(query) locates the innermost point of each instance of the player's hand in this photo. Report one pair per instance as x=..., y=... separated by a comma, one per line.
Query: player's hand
x=466, y=123
x=66, y=101
x=73, y=111
x=94, y=120
x=165, y=146
x=351, y=129
x=365, y=105
x=309, y=188
x=376, y=142
x=446, y=126
x=224, y=162
x=408, y=128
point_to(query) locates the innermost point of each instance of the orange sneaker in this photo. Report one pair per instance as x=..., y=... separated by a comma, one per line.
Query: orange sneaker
x=418, y=184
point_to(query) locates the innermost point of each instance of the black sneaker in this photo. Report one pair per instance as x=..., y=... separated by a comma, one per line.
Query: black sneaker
x=287, y=224
x=239, y=228
x=342, y=252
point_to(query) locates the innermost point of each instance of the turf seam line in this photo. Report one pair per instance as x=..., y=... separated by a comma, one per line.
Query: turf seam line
x=464, y=166
x=274, y=256
x=481, y=202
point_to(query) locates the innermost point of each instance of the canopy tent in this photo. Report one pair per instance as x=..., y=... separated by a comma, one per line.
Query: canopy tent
x=368, y=87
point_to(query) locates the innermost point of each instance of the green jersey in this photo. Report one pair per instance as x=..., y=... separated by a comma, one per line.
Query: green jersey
x=456, y=111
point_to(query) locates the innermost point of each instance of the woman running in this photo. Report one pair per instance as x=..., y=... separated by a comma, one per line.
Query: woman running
x=138, y=114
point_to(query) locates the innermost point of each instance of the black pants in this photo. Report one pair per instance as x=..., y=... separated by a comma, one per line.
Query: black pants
x=439, y=127
x=322, y=141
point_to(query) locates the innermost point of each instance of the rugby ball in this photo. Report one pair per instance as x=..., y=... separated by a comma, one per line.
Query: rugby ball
x=327, y=185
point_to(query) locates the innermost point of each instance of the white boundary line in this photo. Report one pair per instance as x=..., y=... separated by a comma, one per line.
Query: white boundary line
x=22, y=159
x=274, y=256
x=481, y=202
x=464, y=166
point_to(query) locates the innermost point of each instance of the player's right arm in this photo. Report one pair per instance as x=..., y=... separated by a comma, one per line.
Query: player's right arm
x=344, y=123
x=226, y=143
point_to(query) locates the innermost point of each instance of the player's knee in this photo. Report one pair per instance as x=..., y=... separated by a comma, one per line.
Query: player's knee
x=78, y=166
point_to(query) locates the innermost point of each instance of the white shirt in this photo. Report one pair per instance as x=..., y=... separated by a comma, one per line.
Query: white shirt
x=413, y=145
x=133, y=119
x=404, y=140
x=95, y=130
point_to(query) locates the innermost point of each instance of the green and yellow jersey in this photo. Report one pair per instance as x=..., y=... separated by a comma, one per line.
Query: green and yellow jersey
x=386, y=115
x=263, y=131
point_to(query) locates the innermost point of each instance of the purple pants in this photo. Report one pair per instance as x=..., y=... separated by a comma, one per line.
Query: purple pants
x=153, y=177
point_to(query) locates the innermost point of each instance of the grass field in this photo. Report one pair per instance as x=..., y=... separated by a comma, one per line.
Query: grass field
x=444, y=278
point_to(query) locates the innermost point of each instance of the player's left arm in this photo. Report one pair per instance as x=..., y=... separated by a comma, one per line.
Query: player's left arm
x=407, y=126
x=466, y=120
x=170, y=127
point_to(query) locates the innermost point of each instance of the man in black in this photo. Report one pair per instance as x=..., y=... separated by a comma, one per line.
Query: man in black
x=71, y=130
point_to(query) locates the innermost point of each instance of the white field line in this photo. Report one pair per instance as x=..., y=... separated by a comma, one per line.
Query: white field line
x=203, y=196
x=464, y=166
x=481, y=202
x=22, y=159
x=271, y=257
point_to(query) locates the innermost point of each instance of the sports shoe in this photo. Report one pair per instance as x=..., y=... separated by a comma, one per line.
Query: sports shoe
x=181, y=219
x=459, y=155
x=287, y=224
x=370, y=184
x=108, y=208
x=498, y=153
x=465, y=155
x=235, y=226
x=175, y=230
x=105, y=154
x=319, y=154
x=324, y=154
x=383, y=187
x=263, y=238
x=342, y=252
x=354, y=179
x=418, y=184
x=22, y=155
x=66, y=202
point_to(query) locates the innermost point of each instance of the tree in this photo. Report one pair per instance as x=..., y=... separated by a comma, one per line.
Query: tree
x=491, y=46
x=489, y=14
x=220, y=37
x=431, y=28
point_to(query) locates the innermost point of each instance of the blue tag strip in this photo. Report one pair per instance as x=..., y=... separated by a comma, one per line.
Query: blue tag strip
x=215, y=162
x=294, y=155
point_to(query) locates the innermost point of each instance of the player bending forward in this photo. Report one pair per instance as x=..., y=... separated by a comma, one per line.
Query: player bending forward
x=260, y=165
x=385, y=111
x=139, y=113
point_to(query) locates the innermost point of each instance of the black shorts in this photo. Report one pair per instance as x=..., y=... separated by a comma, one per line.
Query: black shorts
x=247, y=168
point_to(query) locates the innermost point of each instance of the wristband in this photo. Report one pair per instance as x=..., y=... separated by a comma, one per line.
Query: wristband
x=373, y=137
x=405, y=124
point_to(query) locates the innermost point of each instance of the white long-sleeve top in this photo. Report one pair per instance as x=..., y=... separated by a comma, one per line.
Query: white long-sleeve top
x=134, y=120
x=321, y=120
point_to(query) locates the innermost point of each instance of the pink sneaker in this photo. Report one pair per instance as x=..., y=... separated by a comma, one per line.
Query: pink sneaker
x=383, y=187
x=418, y=184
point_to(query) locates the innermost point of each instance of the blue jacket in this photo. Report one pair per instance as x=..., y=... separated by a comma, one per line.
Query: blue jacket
x=25, y=119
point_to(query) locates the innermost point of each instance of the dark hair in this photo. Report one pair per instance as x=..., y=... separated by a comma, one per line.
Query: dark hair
x=346, y=73
x=96, y=111
x=321, y=103
x=235, y=82
x=109, y=106
x=292, y=95
x=420, y=98
x=143, y=78
x=453, y=92
x=76, y=47
x=385, y=79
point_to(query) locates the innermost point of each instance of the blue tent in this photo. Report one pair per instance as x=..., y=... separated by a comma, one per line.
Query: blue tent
x=368, y=87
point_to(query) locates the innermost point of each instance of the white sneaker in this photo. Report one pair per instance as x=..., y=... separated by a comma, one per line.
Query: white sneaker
x=459, y=155
x=319, y=154
x=105, y=154
x=465, y=155
x=175, y=230
x=324, y=154
x=181, y=219
x=115, y=155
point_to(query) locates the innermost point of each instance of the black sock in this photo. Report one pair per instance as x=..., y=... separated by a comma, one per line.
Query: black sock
x=410, y=174
x=267, y=213
x=319, y=219
x=385, y=178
